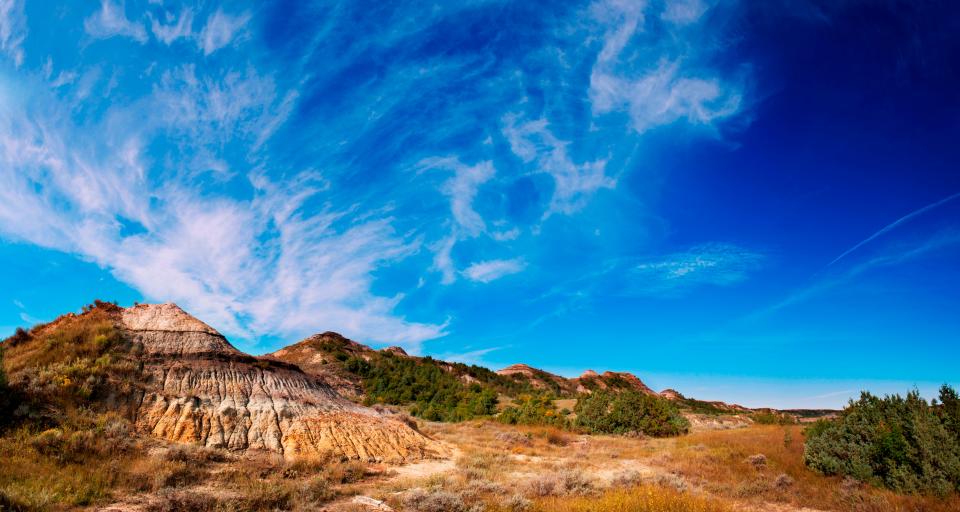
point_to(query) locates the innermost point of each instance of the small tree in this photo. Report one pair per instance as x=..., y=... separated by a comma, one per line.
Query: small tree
x=950, y=409
x=629, y=411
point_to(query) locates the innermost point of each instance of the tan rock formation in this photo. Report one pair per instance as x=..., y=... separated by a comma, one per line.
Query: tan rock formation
x=671, y=394
x=317, y=355
x=200, y=389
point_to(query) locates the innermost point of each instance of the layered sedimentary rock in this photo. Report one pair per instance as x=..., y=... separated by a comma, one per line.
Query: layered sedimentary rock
x=591, y=380
x=200, y=389
x=587, y=383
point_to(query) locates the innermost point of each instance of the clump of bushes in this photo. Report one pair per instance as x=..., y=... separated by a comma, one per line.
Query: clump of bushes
x=903, y=443
x=629, y=412
x=562, y=483
x=766, y=417
x=534, y=410
x=77, y=362
x=420, y=500
x=436, y=394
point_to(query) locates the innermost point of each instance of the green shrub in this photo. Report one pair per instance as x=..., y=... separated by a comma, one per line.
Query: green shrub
x=435, y=393
x=701, y=407
x=772, y=418
x=629, y=412
x=533, y=410
x=904, y=444
x=73, y=364
x=950, y=409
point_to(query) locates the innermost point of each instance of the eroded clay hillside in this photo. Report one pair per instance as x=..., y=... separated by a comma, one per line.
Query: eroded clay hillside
x=183, y=381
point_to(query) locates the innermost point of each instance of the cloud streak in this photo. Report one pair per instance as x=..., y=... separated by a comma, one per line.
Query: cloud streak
x=13, y=29
x=708, y=264
x=574, y=184
x=487, y=271
x=111, y=21
x=220, y=30
x=933, y=244
x=894, y=225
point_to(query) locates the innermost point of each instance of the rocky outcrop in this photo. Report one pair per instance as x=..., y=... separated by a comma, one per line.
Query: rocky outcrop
x=538, y=378
x=322, y=355
x=612, y=381
x=397, y=351
x=200, y=389
x=589, y=382
x=672, y=394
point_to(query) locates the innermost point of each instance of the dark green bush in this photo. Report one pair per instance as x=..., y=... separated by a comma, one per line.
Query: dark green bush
x=950, y=409
x=904, y=444
x=629, y=412
x=435, y=393
x=533, y=410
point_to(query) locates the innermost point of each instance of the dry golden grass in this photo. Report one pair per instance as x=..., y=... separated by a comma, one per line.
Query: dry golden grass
x=179, y=477
x=637, y=499
x=718, y=462
x=712, y=464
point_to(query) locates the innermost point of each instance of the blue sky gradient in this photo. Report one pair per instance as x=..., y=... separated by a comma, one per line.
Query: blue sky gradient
x=750, y=201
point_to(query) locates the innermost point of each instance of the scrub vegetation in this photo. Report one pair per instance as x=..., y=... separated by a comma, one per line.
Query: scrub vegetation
x=903, y=443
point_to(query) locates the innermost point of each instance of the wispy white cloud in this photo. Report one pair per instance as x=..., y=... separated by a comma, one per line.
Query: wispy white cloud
x=461, y=190
x=63, y=78
x=220, y=30
x=111, y=21
x=574, y=183
x=491, y=270
x=251, y=266
x=13, y=29
x=684, y=11
x=476, y=357
x=173, y=27
x=660, y=84
x=214, y=109
x=708, y=264
x=505, y=235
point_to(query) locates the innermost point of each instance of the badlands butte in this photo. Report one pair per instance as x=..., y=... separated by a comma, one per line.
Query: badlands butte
x=148, y=408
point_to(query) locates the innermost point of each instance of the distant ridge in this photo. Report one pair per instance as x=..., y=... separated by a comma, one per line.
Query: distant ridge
x=325, y=355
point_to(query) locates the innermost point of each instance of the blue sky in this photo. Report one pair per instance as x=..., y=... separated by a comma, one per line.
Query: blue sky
x=749, y=201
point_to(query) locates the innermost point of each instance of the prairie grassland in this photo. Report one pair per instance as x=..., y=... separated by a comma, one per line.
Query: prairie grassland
x=638, y=499
x=151, y=476
x=755, y=468
x=727, y=464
